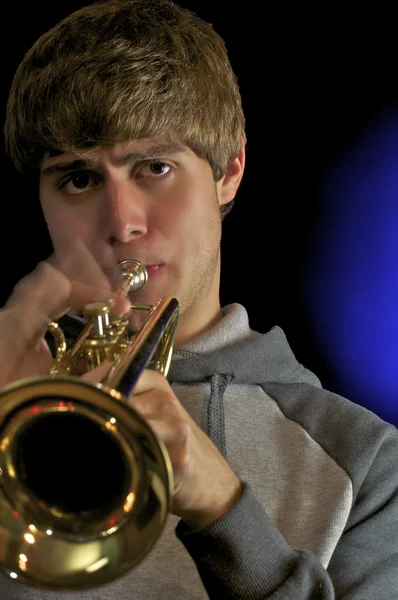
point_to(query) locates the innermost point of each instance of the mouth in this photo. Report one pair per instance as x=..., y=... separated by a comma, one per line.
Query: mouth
x=154, y=270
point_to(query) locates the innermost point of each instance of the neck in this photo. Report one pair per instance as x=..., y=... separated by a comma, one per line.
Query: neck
x=190, y=329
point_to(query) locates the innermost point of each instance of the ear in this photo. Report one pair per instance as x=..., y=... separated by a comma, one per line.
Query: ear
x=230, y=182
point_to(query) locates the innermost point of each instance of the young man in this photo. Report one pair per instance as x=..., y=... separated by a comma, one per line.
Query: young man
x=131, y=115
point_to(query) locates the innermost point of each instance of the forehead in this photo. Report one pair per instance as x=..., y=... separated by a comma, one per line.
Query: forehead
x=119, y=154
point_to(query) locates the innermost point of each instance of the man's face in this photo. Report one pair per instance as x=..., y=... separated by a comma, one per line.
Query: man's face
x=154, y=201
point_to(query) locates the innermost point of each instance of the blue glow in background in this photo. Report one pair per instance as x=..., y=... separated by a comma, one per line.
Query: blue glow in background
x=350, y=285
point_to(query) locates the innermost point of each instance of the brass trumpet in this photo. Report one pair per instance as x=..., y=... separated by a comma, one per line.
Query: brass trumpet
x=85, y=485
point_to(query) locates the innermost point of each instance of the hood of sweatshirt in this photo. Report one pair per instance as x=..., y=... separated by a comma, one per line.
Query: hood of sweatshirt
x=232, y=349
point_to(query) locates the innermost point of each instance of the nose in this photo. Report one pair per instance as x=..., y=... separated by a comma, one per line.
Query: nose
x=126, y=212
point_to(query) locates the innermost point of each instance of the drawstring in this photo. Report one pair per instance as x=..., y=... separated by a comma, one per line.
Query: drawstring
x=214, y=416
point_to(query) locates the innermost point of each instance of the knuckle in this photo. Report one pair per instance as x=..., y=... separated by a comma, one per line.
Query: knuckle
x=183, y=431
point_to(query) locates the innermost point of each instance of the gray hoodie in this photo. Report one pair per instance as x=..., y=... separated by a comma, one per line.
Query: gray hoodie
x=318, y=518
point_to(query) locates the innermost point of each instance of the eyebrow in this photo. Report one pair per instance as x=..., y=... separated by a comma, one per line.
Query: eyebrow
x=127, y=159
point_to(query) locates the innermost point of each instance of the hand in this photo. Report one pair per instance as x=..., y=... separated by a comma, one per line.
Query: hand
x=205, y=485
x=40, y=297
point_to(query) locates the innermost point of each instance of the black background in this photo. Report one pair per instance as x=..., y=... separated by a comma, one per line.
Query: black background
x=311, y=80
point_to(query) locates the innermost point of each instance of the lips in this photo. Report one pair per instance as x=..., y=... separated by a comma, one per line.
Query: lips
x=154, y=270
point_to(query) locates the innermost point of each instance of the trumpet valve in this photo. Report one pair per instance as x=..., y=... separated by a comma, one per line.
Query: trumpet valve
x=98, y=313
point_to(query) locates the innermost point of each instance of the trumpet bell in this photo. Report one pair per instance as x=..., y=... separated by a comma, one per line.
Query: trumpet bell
x=85, y=484
x=89, y=482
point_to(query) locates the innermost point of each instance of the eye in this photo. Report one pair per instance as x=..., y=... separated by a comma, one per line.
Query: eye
x=158, y=168
x=155, y=168
x=77, y=182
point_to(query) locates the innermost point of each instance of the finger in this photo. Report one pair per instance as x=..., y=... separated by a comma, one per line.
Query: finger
x=176, y=441
x=153, y=397
x=94, y=263
x=38, y=361
x=150, y=379
x=172, y=433
x=42, y=292
x=23, y=322
x=152, y=394
x=119, y=305
x=91, y=272
x=105, y=257
x=76, y=261
x=46, y=293
x=98, y=374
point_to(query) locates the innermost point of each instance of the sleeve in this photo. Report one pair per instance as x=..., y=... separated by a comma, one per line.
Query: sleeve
x=242, y=556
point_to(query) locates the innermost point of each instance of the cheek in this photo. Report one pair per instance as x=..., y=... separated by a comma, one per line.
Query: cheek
x=191, y=204
x=180, y=223
x=64, y=224
x=53, y=218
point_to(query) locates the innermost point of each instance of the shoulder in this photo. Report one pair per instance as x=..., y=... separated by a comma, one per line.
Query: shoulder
x=356, y=438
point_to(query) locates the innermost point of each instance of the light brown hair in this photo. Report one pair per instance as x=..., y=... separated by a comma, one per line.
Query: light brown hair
x=120, y=70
